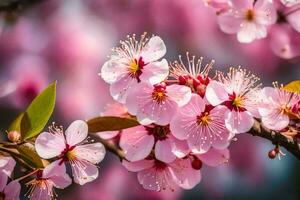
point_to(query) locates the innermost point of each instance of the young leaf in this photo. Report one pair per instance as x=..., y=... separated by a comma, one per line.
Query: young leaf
x=38, y=113
x=110, y=123
x=30, y=156
x=16, y=124
x=293, y=86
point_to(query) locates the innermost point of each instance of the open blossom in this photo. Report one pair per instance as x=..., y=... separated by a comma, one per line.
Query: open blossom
x=239, y=92
x=202, y=125
x=7, y=165
x=42, y=187
x=133, y=62
x=10, y=191
x=156, y=103
x=276, y=107
x=70, y=148
x=248, y=18
x=192, y=74
x=138, y=142
x=158, y=176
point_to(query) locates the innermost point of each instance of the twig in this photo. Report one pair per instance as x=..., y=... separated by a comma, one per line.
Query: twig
x=16, y=5
x=276, y=138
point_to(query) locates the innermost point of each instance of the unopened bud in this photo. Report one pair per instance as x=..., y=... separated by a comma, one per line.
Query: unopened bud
x=272, y=154
x=14, y=136
x=196, y=164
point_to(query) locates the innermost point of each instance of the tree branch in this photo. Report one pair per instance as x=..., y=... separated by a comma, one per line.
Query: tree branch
x=276, y=138
x=16, y=5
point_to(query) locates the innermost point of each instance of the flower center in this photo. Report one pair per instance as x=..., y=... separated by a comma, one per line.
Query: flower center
x=135, y=68
x=235, y=103
x=159, y=93
x=249, y=16
x=285, y=109
x=159, y=132
x=203, y=119
x=160, y=165
x=68, y=154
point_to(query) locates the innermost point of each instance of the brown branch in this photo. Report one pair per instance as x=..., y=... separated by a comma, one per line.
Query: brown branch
x=276, y=138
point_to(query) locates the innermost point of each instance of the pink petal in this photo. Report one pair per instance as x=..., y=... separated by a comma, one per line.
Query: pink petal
x=155, y=72
x=62, y=181
x=136, y=143
x=197, y=142
x=54, y=169
x=112, y=71
x=154, y=49
x=41, y=193
x=84, y=172
x=138, y=165
x=3, y=180
x=265, y=12
x=163, y=151
x=138, y=96
x=180, y=148
x=229, y=23
x=119, y=89
x=240, y=4
x=250, y=31
x=7, y=165
x=238, y=122
x=107, y=135
x=180, y=94
x=216, y=93
x=157, y=180
x=158, y=113
x=94, y=153
x=275, y=121
x=214, y=157
x=49, y=145
x=12, y=191
x=184, y=175
x=294, y=21
x=76, y=132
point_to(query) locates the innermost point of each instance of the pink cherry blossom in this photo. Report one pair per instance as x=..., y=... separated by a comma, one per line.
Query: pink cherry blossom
x=53, y=176
x=113, y=109
x=7, y=165
x=10, y=191
x=156, y=104
x=248, y=18
x=276, y=107
x=70, y=147
x=133, y=62
x=158, y=176
x=191, y=74
x=138, y=142
x=202, y=125
x=239, y=91
x=214, y=157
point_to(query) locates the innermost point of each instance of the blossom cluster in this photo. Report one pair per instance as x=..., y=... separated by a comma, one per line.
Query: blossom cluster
x=255, y=19
x=70, y=147
x=187, y=116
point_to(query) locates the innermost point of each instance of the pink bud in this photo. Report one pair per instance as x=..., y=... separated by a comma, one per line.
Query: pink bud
x=196, y=164
x=183, y=79
x=14, y=136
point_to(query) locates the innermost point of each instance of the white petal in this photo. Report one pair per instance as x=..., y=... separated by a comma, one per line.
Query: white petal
x=76, y=132
x=94, y=153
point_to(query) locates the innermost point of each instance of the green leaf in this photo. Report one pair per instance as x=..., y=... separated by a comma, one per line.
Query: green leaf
x=293, y=86
x=110, y=123
x=16, y=124
x=38, y=113
x=30, y=156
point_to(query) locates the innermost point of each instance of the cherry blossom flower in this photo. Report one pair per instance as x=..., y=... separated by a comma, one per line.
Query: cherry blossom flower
x=191, y=74
x=53, y=176
x=239, y=91
x=113, y=109
x=158, y=176
x=202, y=125
x=7, y=165
x=276, y=107
x=158, y=103
x=248, y=18
x=69, y=147
x=133, y=62
x=138, y=142
x=10, y=191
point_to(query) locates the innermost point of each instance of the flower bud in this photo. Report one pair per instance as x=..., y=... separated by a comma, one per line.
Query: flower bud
x=196, y=164
x=272, y=154
x=14, y=136
x=182, y=79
